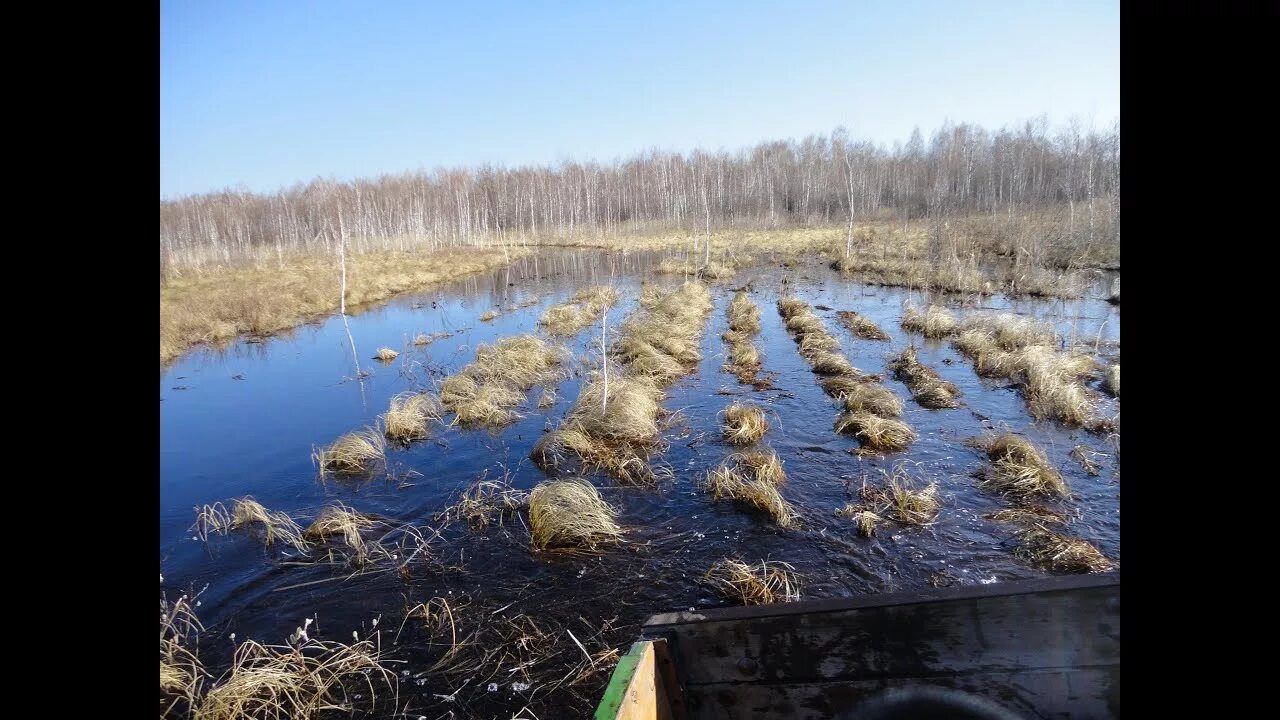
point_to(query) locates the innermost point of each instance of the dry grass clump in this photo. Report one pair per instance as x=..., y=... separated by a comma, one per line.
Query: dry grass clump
x=422, y=339
x=744, y=316
x=814, y=344
x=675, y=265
x=583, y=309
x=485, y=501
x=485, y=391
x=181, y=672
x=866, y=520
x=661, y=340
x=385, y=354
x=926, y=386
x=488, y=315
x=360, y=452
x=764, y=466
x=1028, y=515
x=764, y=583
x=741, y=483
x=861, y=325
x=871, y=398
x=276, y=526
x=1047, y=549
x=406, y=420
x=934, y=322
x=301, y=682
x=216, y=305
x=879, y=434
x=1011, y=332
x=343, y=521
x=614, y=436
x=1113, y=379
x=789, y=307
x=1021, y=469
x=571, y=514
x=716, y=270
x=744, y=424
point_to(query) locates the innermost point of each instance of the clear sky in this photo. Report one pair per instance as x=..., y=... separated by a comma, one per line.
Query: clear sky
x=265, y=94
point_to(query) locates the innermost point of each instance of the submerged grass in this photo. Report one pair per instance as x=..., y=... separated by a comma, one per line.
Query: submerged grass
x=1049, y=550
x=1021, y=470
x=744, y=424
x=571, y=514
x=361, y=452
x=862, y=326
x=584, y=308
x=407, y=418
x=764, y=583
x=927, y=387
x=485, y=502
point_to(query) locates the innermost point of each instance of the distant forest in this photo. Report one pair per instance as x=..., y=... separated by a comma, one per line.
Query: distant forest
x=820, y=180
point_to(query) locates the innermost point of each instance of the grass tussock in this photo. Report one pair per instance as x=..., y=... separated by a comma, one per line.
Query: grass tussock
x=1012, y=332
x=764, y=583
x=181, y=672
x=927, y=387
x=1021, y=470
x=1113, y=379
x=485, y=502
x=302, y=682
x=614, y=437
x=871, y=398
x=1028, y=515
x=486, y=390
x=744, y=424
x=714, y=270
x=862, y=326
x=583, y=309
x=219, y=304
x=877, y=434
x=764, y=466
x=488, y=315
x=385, y=354
x=345, y=523
x=1049, y=550
x=744, y=316
x=571, y=514
x=361, y=452
x=735, y=482
x=407, y=418
x=661, y=340
x=277, y=527
x=934, y=322
x=865, y=519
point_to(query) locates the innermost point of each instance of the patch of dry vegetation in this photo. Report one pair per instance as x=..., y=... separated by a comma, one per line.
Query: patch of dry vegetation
x=935, y=322
x=362, y=452
x=344, y=522
x=584, y=308
x=1023, y=351
x=744, y=359
x=764, y=583
x=407, y=418
x=687, y=265
x=181, y=673
x=385, y=354
x=485, y=502
x=219, y=304
x=249, y=513
x=1028, y=515
x=485, y=391
x=899, y=499
x=1021, y=470
x=753, y=479
x=862, y=326
x=1049, y=550
x=744, y=424
x=927, y=387
x=488, y=315
x=571, y=514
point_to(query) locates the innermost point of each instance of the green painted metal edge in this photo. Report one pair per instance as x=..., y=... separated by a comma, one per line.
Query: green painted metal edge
x=615, y=693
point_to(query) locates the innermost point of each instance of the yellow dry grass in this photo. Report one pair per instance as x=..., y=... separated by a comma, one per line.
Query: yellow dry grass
x=222, y=303
x=485, y=391
x=934, y=322
x=877, y=434
x=488, y=315
x=385, y=354
x=744, y=316
x=744, y=424
x=1051, y=380
x=583, y=309
x=862, y=326
x=484, y=502
x=866, y=520
x=1021, y=469
x=764, y=583
x=927, y=387
x=571, y=514
x=871, y=398
x=408, y=415
x=732, y=482
x=361, y=452
x=276, y=526
x=1049, y=550
x=342, y=521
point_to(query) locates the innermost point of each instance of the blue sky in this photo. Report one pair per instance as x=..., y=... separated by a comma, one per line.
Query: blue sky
x=266, y=94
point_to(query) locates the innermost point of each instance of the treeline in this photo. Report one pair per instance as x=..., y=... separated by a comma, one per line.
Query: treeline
x=822, y=179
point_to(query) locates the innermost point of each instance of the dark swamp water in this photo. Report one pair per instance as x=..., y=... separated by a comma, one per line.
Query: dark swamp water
x=244, y=420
